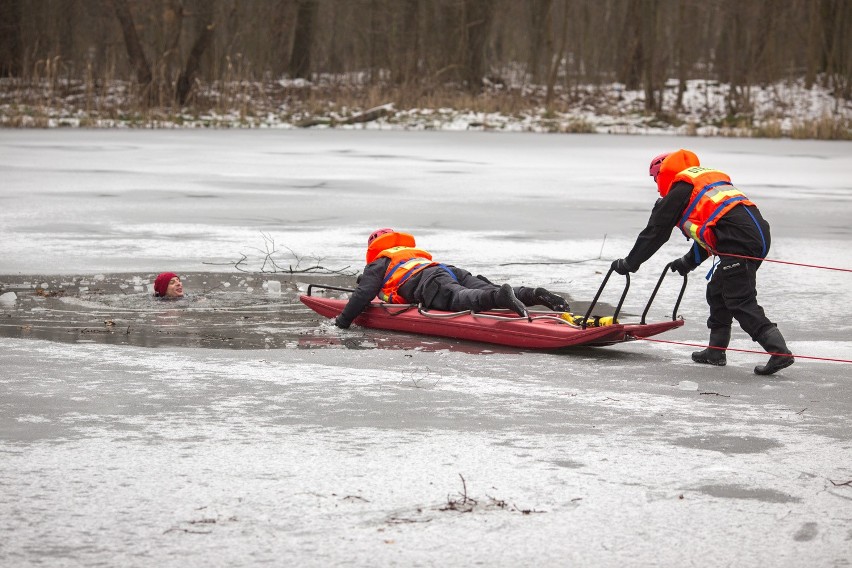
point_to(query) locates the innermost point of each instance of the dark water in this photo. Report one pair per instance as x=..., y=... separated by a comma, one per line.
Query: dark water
x=219, y=311
x=230, y=311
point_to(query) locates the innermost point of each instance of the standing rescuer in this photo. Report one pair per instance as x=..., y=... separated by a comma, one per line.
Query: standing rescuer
x=721, y=220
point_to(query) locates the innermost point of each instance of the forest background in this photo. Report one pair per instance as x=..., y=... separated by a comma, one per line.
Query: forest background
x=701, y=67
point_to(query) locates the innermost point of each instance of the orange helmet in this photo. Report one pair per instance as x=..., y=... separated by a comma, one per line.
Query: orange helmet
x=383, y=239
x=669, y=166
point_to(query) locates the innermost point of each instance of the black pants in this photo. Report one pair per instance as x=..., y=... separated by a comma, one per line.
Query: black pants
x=454, y=289
x=732, y=294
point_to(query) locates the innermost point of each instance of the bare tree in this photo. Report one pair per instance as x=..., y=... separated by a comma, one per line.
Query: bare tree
x=205, y=23
x=11, y=42
x=650, y=61
x=300, y=56
x=167, y=46
x=541, y=38
x=407, y=43
x=556, y=59
x=478, y=17
x=630, y=64
x=135, y=53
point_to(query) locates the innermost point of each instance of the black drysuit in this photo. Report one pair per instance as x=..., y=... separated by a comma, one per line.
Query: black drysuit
x=731, y=292
x=437, y=287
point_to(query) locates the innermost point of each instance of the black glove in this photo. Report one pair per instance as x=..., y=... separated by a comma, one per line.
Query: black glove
x=620, y=266
x=679, y=265
x=342, y=323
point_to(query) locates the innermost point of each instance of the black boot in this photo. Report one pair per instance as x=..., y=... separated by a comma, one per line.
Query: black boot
x=525, y=295
x=550, y=300
x=719, y=338
x=774, y=342
x=541, y=297
x=506, y=299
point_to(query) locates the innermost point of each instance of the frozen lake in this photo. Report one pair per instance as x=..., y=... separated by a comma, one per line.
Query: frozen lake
x=238, y=428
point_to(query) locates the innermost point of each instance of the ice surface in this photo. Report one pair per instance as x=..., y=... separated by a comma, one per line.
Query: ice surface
x=334, y=449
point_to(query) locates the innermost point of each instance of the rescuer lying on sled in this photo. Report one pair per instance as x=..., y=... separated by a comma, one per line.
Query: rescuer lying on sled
x=400, y=273
x=708, y=209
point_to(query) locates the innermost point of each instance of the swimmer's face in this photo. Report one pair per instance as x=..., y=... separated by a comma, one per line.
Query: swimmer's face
x=175, y=289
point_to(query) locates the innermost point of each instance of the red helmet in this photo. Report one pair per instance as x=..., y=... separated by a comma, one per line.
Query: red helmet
x=378, y=233
x=654, y=170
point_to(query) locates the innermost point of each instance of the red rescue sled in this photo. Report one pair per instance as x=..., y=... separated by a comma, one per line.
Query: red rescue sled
x=544, y=329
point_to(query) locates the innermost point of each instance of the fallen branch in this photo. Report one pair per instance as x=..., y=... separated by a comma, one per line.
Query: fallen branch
x=269, y=264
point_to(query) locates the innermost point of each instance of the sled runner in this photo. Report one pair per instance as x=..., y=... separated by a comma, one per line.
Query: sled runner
x=544, y=329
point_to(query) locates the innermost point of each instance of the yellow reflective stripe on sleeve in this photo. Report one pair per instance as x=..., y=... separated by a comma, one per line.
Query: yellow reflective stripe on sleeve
x=693, y=229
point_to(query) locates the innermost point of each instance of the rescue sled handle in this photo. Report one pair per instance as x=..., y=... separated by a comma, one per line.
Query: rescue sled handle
x=598, y=295
x=654, y=294
x=324, y=287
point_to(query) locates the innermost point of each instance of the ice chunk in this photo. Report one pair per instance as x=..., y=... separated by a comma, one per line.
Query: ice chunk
x=273, y=287
x=8, y=299
x=687, y=386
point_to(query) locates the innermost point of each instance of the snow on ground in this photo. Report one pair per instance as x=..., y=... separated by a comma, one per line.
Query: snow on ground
x=783, y=109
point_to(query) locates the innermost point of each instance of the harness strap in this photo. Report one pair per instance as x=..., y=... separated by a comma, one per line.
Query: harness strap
x=715, y=214
x=448, y=271
x=759, y=230
x=716, y=262
x=697, y=199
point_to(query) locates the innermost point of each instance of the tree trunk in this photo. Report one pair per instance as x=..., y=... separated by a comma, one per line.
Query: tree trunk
x=653, y=100
x=540, y=14
x=815, y=43
x=135, y=54
x=478, y=17
x=630, y=66
x=408, y=43
x=300, y=56
x=11, y=44
x=681, y=49
x=206, y=24
x=556, y=59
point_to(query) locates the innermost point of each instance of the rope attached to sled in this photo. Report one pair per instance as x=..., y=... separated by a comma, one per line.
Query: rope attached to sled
x=745, y=350
x=731, y=255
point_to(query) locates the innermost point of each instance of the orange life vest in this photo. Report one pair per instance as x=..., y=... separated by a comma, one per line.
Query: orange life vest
x=405, y=262
x=713, y=195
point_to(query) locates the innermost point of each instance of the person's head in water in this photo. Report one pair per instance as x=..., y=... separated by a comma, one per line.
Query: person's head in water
x=168, y=285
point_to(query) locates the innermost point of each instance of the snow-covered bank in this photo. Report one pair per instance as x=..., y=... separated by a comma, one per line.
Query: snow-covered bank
x=705, y=108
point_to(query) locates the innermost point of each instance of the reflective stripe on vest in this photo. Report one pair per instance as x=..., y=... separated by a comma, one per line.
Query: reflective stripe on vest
x=713, y=195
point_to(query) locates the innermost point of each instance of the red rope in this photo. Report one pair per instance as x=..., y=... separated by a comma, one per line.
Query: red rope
x=717, y=253
x=744, y=350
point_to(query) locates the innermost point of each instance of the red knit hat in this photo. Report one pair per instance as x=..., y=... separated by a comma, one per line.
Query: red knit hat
x=161, y=284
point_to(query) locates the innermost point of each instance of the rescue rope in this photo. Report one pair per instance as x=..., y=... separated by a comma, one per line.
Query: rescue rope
x=717, y=253
x=744, y=350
